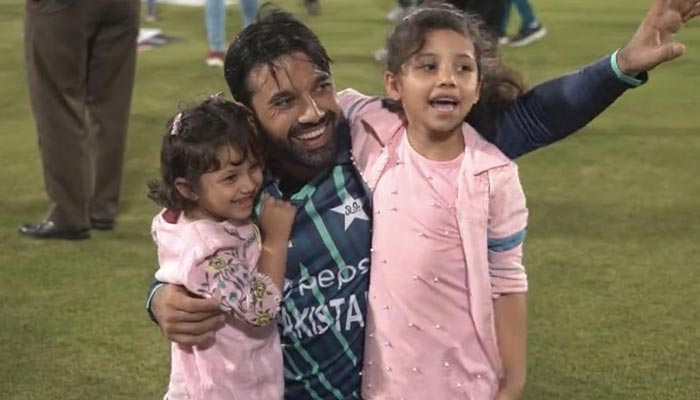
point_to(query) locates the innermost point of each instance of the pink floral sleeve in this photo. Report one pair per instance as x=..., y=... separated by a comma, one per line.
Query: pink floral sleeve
x=248, y=294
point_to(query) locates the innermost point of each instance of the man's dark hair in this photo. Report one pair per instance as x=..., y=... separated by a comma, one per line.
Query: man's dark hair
x=274, y=34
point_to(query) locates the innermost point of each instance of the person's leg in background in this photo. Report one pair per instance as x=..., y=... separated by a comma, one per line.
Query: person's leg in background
x=150, y=10
x=249, y=10
x=111, y=67
x=56, y=76
x=502, y=33
x=530, y=28
x=215, y=22
x=491, y=11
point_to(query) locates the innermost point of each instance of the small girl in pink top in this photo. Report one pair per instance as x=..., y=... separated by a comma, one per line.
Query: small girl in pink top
x=447, y=309
x=210, y=177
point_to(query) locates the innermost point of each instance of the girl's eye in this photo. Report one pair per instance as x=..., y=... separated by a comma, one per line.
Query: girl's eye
x=255, y=167
x=466, y=67
x=428, y=67
x=231, y=178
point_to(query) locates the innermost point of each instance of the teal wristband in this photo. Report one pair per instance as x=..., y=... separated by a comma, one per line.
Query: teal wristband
x=630, y=80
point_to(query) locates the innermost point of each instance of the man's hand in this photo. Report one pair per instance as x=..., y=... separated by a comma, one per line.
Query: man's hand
x=185, y=319
x=653, y=43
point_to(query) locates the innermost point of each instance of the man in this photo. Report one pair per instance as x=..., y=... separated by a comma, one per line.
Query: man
x=81, y=57
x=278, y=69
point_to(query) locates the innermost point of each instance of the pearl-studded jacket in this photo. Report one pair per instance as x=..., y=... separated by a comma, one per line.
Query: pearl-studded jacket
x=491, y=211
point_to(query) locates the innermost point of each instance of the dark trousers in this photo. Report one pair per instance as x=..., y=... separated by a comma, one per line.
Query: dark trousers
x=80, y=60
x=491, y=11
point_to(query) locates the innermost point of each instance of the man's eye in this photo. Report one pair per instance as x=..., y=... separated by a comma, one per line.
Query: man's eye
x=325, y=86
x=282, y=103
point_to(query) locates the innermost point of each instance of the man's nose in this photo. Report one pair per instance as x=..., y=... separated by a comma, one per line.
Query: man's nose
x=312, y=112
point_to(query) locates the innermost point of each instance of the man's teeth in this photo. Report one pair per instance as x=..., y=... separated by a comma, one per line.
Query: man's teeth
x=313, y=134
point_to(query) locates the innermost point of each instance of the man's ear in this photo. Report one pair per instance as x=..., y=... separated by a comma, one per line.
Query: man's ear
x=185, y=189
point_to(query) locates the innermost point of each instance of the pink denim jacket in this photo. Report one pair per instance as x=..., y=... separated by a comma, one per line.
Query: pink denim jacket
x=491, y=211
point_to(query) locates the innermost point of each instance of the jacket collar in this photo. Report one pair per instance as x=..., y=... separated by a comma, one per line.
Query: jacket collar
x=385, y=126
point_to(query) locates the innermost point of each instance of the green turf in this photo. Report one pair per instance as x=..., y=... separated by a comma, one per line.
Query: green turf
x=612, y=250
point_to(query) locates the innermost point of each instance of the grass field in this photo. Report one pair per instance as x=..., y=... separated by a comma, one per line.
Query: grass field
x=612, y=250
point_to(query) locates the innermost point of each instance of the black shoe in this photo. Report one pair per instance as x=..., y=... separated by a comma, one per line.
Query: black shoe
x=102, y=224
x=48, y=230
x=527, y=35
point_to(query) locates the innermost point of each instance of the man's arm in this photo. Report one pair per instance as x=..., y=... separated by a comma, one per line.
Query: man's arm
x=182, y=318
x=555, y=109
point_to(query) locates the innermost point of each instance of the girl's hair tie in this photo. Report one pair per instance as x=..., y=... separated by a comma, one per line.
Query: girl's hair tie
x=175, y=130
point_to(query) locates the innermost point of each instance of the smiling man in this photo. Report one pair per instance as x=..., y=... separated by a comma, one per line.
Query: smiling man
x=278, y=68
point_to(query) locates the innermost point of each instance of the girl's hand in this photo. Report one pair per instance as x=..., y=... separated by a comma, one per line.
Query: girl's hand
x=505, y=394
x=277, y=218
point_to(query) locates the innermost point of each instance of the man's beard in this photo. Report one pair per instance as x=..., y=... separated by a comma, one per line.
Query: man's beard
x=285, y=149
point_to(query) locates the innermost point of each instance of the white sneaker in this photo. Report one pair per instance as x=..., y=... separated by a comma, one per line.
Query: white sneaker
x=215, y=59
x=397, y=14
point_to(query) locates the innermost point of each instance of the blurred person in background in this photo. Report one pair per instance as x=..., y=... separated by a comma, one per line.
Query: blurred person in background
x=401, y=10
x=215, y=22
x=490, y=11
x=313, y=7
x=150, y=10
x=530, y=28
x=80, y=59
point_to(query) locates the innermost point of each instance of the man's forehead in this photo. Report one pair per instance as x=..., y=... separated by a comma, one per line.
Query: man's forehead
x=287, y=72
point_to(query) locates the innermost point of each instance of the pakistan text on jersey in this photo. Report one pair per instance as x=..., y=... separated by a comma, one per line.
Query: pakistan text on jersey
x=340, y=314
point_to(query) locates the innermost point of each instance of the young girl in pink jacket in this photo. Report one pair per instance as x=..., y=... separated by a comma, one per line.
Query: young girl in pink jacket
x=211, y=174
x=447, y=309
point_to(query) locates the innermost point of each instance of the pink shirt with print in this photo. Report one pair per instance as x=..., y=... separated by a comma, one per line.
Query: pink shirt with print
x=219, y=260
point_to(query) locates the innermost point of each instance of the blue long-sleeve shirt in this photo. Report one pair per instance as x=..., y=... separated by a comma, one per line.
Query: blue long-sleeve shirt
x=557, y=108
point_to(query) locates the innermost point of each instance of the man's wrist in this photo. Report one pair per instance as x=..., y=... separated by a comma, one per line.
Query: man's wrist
x=149, y=301
x=624, y=73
